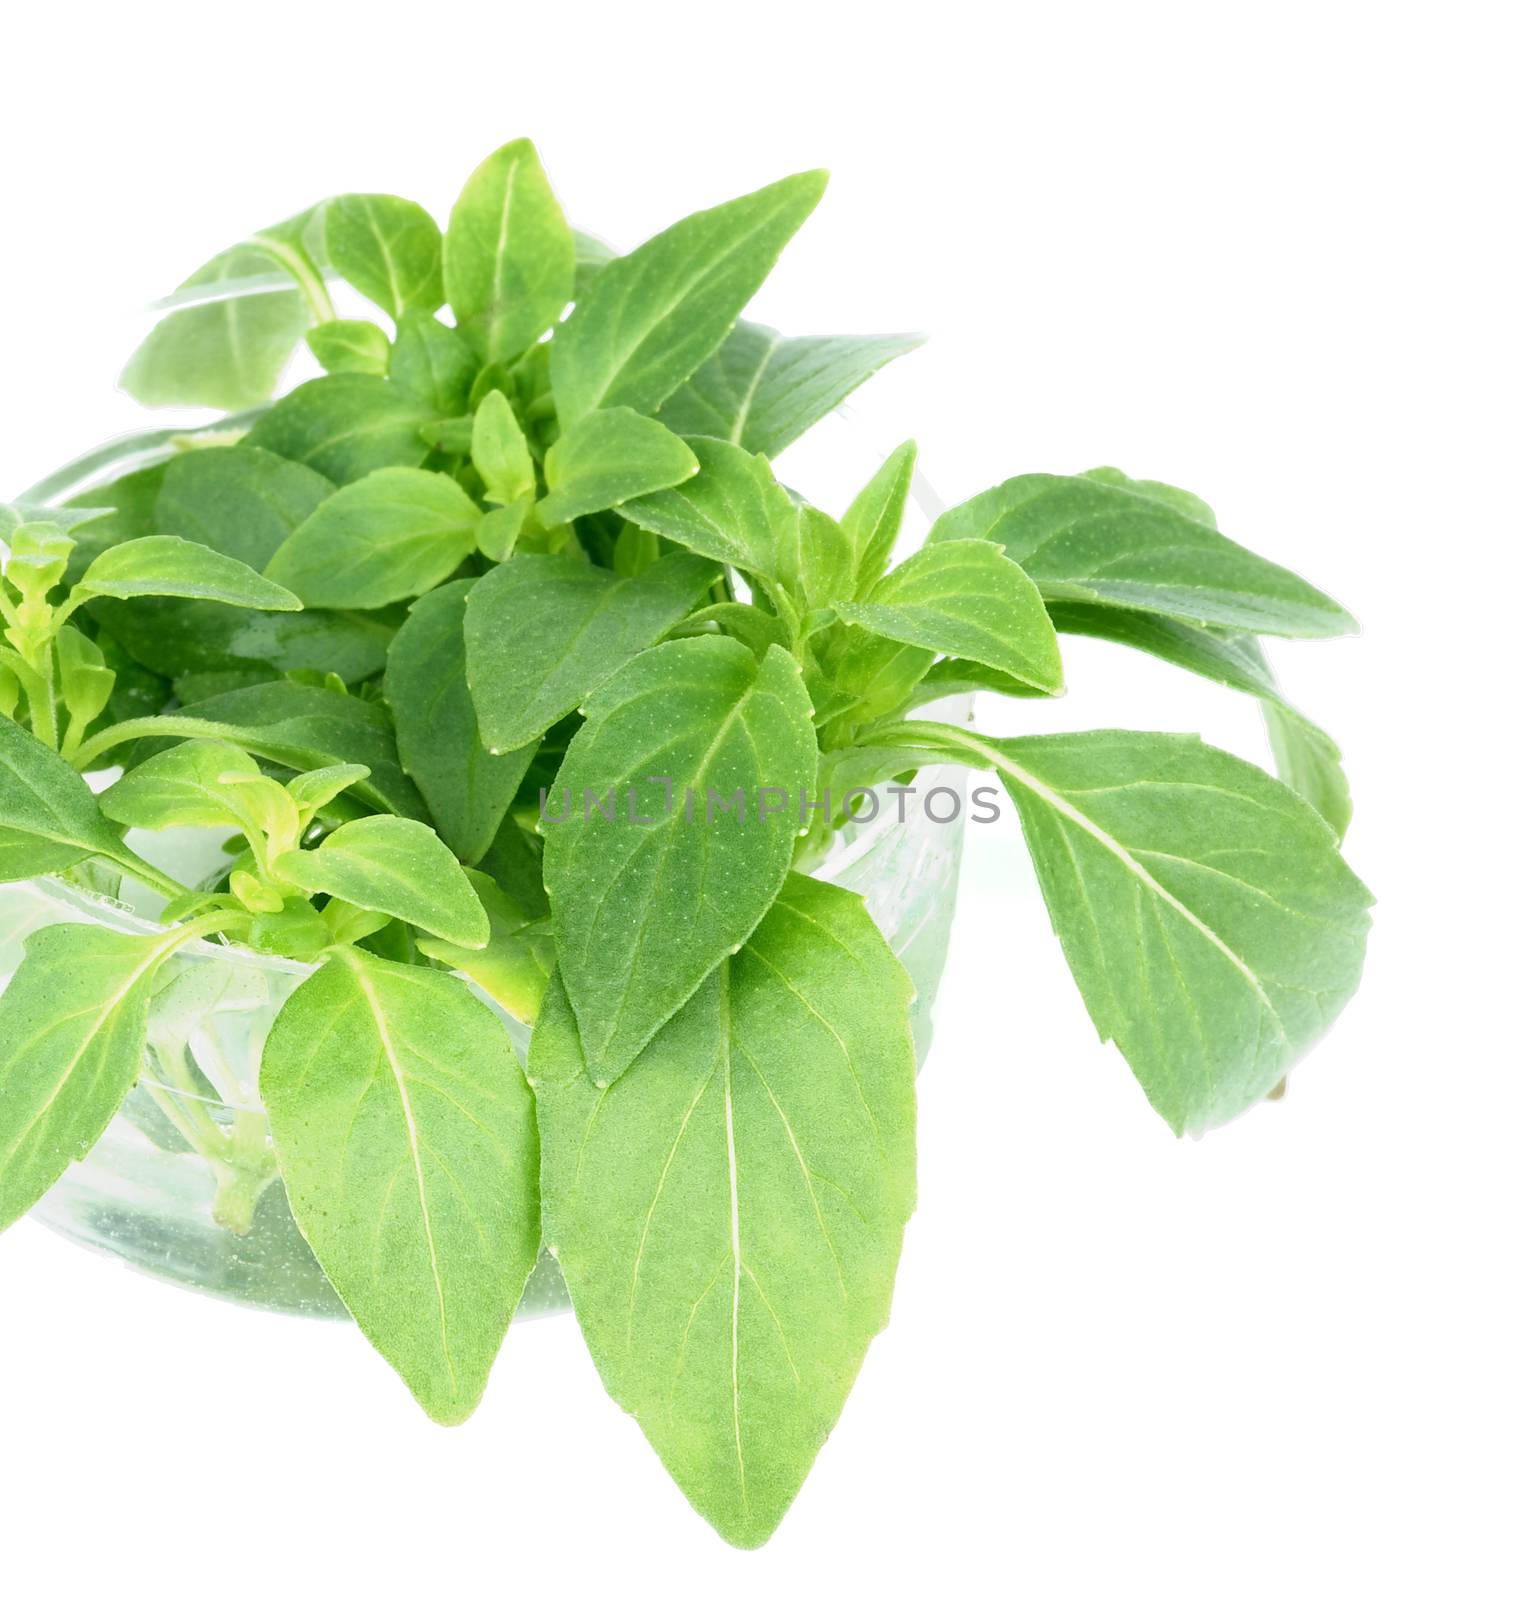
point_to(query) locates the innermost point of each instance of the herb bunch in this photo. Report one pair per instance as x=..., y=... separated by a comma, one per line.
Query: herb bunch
x=538, y=542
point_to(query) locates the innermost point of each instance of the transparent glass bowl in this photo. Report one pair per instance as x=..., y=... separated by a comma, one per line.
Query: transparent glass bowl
x=183, y=1184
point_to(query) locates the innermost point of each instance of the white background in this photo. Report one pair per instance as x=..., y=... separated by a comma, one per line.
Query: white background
x=1269, y=253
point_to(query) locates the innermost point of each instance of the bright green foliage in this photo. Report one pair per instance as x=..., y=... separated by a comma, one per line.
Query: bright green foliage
x=312, y=791
x=500, y=454
x=1211, y=925
x=762, y=391
x=610, y=456
x=644, y=910
x=388, y=248
x=242, y=502
x=72, y=1026
x=965, y=599
x=732, y=510
x=467, y=789
x=816, y=559
x=514, y=966
x=397, y=867
x=163, y=565
x=181, y=787
x=390, y=536
x=404, y=1131
x=651, y=318
x=85, y=682
x=228, y=352
x=873, y=519
x=506, y=670
x=49, y=819
x=1084, y=539
x=500, y=529
x=729, y=1215
x=298, y=727
x=433, y=363
x=509, y=254
x=345, y=346
x=1308, y=761
x=543, y=632
x=346, y=426
x=1306, y=757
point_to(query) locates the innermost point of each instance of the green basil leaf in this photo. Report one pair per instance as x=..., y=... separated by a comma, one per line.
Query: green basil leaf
x=607, y=457
x=453, y=436
x=405, y=1136
x=315, y=790
x=501, y=528
x=748, y=624
x=500, y=453
x=733, y=510
x=509, y=254
x=955, y=676
x=1084, y=539
x=297, y=932
x=1181, y=500
x=240, y=501
x=1209, y=920
x=1308, y=761
x=542, y=632
x=181, y=788
x=345, y=426
x=818, y=560
x=874, y=517
x=965, y=598
x=761, y=391
x=346, y=345
x=227, y=353
x=73, y=1028
x=85, y=682
x=729, y=1215
x=244, y=503
x=397, y=867
x=62, y=519
x=643, y=912
x=388, y=248
x=467, y=789
x=391, y=536
x=871, y=676
x=49, y=819
x=433, y=362
x=514, y=967
x=182, y=638
x=161, y=564
x=851, y=767
x=651, y=318
x=302, y=728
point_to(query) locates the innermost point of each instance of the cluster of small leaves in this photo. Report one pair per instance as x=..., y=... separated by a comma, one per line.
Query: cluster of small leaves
x=528, y=534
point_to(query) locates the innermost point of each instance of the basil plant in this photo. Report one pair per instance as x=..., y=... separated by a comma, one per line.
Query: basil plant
x=521, y=544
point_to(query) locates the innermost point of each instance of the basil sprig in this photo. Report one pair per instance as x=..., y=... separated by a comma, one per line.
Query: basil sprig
x=522, y=538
